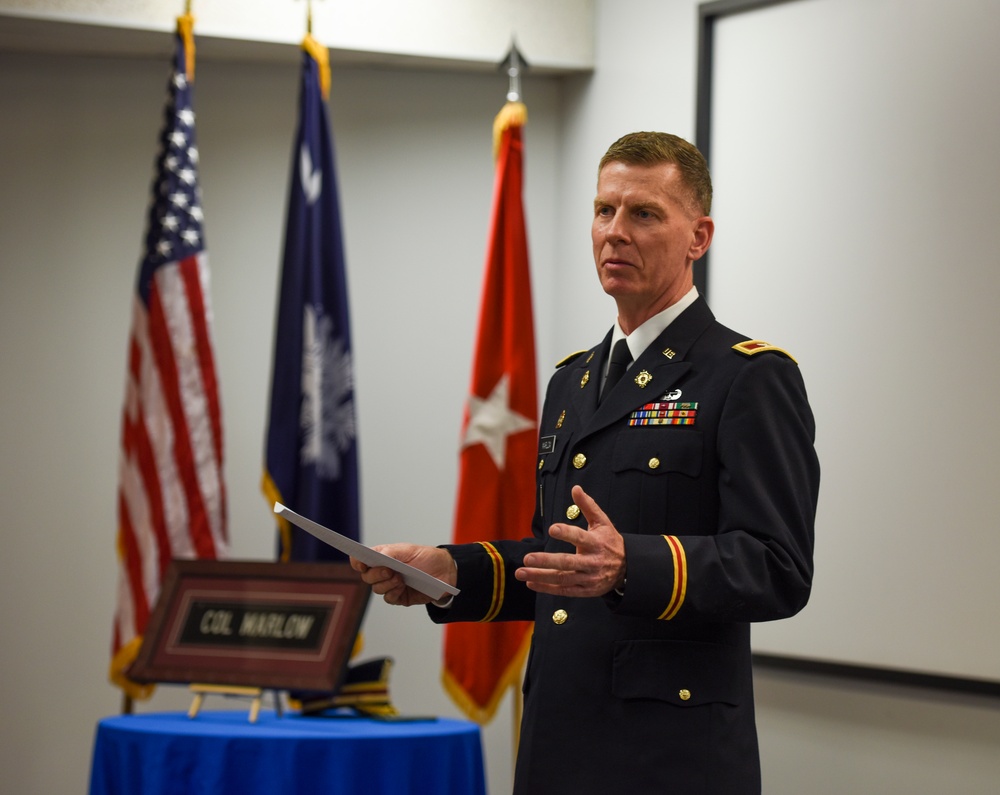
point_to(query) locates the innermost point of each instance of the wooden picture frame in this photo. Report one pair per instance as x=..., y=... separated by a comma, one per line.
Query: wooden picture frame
x=283, y=626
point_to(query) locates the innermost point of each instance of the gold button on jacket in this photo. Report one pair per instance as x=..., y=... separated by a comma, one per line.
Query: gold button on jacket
x=572, y=512
x=560, y=616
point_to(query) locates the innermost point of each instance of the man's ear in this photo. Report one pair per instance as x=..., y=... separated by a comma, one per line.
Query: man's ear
x=704, y=229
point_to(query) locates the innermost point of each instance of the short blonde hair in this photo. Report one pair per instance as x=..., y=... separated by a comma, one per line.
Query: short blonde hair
x=653, y=148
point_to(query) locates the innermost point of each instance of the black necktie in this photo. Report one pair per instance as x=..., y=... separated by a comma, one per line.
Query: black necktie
x=621, y=358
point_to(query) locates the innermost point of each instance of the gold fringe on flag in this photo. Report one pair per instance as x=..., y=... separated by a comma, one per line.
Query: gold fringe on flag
x=511, y=678
x=185, y=29
x=512, y=114
x=119, y=666
x=126, y=655
x=322, y=57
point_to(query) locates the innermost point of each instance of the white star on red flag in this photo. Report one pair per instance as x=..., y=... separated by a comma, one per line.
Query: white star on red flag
x=491, y=421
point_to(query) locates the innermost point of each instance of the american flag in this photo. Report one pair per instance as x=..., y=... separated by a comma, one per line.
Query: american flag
x=171, y=492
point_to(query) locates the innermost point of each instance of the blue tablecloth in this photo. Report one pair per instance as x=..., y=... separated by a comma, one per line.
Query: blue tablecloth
x=222, y=752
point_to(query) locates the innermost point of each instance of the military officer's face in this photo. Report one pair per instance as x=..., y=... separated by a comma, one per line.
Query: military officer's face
x=647, y=232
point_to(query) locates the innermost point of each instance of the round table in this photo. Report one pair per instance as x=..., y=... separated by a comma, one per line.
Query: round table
x=222, y=752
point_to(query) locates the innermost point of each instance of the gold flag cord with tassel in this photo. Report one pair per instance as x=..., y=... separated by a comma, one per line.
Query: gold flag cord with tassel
x=513, y=114
x=322, y=57
x=185, y=29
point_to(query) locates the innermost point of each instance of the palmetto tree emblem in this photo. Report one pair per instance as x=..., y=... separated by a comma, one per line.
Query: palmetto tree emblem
x=327, y=415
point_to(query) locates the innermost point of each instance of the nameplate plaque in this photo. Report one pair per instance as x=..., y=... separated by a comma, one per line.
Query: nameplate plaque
x=272, y=625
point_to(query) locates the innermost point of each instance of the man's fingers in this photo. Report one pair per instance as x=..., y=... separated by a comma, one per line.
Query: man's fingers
x=395, y=595
x=563, y=532
x=592, y=512
x=382, y=579
x=357, y=565
x=546, y=577
x=548, y=563
x=592, y=569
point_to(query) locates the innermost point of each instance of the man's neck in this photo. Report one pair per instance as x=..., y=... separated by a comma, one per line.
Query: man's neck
x=632, y=317
x=643, y=335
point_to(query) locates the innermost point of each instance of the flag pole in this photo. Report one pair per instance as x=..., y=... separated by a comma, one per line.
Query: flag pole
x=309, y=17
x=518, y=697
x=495, y=496
x=172, y=408
x=311, y=461
x=513, y=63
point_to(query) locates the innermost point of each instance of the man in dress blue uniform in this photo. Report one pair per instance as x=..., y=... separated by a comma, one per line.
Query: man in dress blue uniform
x=675, y=506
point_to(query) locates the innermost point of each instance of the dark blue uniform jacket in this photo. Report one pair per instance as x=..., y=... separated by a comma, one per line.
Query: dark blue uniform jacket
x=702, y=457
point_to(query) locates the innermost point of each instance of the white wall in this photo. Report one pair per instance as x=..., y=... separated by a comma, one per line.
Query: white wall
x=76, y=149
x=829, y=736
x=878, y=207
x=643, y=80
x=557, y=33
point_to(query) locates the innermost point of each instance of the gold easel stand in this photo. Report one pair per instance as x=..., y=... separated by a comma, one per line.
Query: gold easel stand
x=254, y=693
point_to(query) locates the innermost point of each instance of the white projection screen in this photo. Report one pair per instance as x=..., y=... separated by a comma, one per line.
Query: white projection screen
x=855, y=151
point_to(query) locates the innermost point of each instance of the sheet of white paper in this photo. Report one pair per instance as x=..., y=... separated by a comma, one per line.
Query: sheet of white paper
x=431, y=586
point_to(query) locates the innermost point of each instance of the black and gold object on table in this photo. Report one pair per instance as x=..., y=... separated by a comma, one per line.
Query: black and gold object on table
x=365, y=691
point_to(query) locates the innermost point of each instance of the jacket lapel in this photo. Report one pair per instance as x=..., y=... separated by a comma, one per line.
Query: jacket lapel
x=650, y=377
x=588, y=374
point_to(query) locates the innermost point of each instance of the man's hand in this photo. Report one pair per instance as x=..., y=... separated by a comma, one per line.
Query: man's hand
x=436, y=562
x=598, y=565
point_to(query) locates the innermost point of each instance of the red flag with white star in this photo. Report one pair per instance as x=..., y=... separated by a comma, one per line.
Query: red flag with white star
x=496, y=490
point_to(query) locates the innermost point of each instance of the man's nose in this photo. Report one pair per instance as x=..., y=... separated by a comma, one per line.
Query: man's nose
x=617, y=229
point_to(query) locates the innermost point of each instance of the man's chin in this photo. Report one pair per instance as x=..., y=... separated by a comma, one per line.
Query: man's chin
x=617, y=286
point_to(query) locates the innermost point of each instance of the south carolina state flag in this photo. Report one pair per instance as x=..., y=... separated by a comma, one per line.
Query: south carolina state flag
x=311, y=459
x=496, y=490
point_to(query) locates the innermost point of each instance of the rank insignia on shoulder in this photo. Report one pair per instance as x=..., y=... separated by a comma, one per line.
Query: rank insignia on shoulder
x=751, y=347
x=568, y=359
